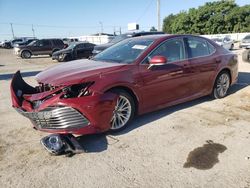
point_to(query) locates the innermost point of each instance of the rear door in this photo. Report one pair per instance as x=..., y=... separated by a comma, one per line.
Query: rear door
x=88, y=49
x=80, y=49
x=203, y=64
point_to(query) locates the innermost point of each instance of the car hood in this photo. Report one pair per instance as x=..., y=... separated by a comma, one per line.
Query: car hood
x=74, y=72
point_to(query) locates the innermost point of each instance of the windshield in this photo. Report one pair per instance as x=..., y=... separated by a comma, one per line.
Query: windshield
x=125, y=51
x=71, y=46
x=217, y=39
x=247, y=37
x=120, y=38
x=31, y=43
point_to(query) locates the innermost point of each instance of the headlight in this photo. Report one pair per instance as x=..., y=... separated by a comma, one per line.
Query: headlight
x=77, y=90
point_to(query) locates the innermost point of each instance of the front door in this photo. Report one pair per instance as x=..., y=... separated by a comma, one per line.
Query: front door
x=167, y=84
x=42, y=47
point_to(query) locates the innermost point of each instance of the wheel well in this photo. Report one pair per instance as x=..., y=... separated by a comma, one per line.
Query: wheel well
x=128, y=90
x=228, y=71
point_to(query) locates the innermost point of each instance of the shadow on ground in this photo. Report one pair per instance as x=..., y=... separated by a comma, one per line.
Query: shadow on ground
x=98, y=143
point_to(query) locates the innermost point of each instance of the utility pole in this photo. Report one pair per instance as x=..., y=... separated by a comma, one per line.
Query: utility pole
x=159, y=14
x=33, y=31
x=12, y=30
x=101, y=27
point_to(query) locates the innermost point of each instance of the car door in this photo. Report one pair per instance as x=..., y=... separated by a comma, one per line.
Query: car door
x=203, y=64
x=88, y=50
x=42, y=47
x=167, y=84
x=80, y=48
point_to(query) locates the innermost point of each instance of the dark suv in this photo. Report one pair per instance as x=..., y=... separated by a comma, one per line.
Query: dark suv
x=39, y=47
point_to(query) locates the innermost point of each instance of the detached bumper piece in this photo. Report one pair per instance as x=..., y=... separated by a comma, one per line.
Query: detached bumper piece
x=58, y=144
x=59, y=117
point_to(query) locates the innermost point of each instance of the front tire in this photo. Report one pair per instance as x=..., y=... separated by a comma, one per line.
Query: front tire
x=221, y=86
x=124, y=111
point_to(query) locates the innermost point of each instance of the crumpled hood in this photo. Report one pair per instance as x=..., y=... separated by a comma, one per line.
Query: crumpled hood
x=74, y=72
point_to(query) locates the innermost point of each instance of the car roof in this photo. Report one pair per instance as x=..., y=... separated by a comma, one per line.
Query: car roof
x=166, y=36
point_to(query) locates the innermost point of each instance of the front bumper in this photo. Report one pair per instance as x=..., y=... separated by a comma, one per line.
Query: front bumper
x=60, y=117
x=80, y=115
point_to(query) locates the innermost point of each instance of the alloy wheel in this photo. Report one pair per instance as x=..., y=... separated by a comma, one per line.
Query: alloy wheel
x=223, y=84
x=121, y=113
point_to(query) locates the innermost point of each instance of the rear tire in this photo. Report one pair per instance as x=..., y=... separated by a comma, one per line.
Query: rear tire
x=124, y=111
x=26, y=54
x=221, y=85
x=246, y=56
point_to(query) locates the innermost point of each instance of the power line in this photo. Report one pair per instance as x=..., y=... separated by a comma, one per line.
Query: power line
x=145, y=10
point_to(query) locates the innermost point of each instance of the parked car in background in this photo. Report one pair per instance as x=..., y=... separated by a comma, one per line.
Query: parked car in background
x=245, y=42
x=39, y=47
x=225, y=42
x=134, y=76
x=20, y=40
x=75, y=50
x=6, y=44
x=100, y=48
x=2, y=42
x=24, y=43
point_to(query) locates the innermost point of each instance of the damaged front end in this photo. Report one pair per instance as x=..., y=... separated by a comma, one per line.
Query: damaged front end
x=63, y=109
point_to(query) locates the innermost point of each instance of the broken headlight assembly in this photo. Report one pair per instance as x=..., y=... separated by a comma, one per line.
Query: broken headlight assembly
x=77, y=90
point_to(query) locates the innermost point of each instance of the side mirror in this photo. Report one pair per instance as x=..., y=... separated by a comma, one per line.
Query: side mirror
x=158, y=60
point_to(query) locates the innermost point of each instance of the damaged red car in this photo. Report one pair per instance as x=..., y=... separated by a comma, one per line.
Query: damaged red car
x=135, y=76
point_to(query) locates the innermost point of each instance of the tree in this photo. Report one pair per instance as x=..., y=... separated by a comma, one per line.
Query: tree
x=153, y=29
x=212, y=18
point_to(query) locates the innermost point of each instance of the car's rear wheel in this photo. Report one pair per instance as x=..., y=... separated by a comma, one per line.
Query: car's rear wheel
x=25, y=54
x=124, y=111
x=221, y=86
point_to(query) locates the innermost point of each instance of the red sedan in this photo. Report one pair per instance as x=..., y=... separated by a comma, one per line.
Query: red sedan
x=132, y=77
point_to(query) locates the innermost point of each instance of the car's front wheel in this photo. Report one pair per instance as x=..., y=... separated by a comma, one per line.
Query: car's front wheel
x=124, y=111
x=221, y=86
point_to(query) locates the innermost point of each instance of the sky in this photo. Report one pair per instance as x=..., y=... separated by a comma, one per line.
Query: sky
x=64, y=18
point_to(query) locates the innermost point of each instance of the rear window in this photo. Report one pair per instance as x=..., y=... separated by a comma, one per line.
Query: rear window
x=58, y=42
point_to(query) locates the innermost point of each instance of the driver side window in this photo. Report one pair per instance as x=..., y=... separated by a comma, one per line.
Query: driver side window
x=172, y=49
